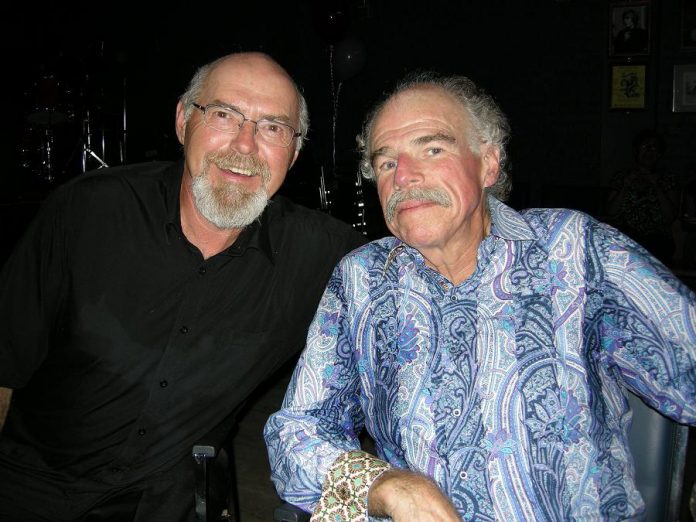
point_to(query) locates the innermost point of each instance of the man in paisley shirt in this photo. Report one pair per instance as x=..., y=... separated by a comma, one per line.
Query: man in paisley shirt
x=486, y=351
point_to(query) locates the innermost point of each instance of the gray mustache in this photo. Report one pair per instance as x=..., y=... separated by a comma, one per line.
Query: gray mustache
x=235, y=161
x=432, y=195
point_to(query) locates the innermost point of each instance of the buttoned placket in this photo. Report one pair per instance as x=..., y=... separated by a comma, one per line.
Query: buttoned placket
x=171, y=365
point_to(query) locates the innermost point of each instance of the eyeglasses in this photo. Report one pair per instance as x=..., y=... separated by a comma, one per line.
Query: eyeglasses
x=230, y=121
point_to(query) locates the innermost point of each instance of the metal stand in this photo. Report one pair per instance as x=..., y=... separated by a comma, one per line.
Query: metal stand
x=324, y=193
x=47, y=172
x=202, y=455
x=87, y=151
x=74, y=121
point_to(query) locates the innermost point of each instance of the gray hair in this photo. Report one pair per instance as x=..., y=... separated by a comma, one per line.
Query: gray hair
x=489, y=125
x=197, y=83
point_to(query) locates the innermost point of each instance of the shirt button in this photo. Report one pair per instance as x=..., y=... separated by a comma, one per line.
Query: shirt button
x=164, y=384
x=453, y=298
x=115, y=470
x=142, y=431
x=183, y=329
x=202, y=270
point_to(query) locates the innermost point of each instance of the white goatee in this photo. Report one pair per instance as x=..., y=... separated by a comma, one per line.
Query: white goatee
x=229, y=205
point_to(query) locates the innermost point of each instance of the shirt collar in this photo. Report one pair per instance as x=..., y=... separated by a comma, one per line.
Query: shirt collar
x=507, y=223
x=171, y=187
x=256, y=235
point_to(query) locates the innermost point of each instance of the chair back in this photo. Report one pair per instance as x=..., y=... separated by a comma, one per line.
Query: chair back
x=658, y=446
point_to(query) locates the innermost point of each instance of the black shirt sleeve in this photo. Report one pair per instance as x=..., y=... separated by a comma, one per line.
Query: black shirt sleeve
x=32, y=282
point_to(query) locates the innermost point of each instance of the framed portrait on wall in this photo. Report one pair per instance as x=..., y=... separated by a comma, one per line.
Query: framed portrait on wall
x=688, y=27
x=684, y=95
x=628, y=87
x=630, y=28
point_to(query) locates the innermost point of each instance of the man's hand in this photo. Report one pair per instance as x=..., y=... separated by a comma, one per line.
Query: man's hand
x=406, y=496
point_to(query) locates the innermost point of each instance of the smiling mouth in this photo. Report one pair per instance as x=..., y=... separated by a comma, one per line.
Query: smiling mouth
x=239, y=172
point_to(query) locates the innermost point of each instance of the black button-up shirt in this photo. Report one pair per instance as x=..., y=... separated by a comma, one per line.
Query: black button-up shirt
x=124, y=346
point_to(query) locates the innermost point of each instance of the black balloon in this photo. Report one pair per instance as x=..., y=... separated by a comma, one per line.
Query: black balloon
x=349, y=58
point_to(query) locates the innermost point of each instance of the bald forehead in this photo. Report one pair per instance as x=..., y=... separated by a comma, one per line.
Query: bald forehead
x=253, y=69
x=253, y=76
x=259, y=62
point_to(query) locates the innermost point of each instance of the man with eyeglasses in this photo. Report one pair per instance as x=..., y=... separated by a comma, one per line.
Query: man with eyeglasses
x=146, y=302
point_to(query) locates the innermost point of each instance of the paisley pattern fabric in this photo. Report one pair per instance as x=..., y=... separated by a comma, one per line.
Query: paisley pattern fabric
x=508, y=389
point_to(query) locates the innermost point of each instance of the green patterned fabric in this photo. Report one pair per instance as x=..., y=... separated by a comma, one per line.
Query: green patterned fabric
x=344, y=493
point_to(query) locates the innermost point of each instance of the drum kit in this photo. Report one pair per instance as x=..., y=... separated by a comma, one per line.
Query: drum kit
x=71, y=125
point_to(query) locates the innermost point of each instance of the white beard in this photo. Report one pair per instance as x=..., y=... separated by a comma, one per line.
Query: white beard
x=228, y=205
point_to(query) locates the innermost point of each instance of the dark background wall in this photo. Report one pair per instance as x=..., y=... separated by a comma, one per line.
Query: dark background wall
x=547, y=62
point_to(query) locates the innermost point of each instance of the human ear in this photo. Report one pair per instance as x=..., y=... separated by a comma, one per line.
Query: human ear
x=294, y=158
x=490, y=164
x=180, y=123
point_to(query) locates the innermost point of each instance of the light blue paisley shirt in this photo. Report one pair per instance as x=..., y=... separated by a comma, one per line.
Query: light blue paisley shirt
x=507, y=389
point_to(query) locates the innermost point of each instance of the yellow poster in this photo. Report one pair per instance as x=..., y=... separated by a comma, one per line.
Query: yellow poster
x=628, y=87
